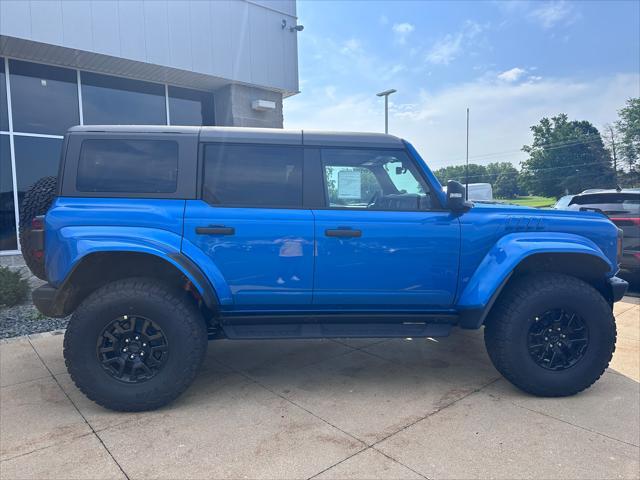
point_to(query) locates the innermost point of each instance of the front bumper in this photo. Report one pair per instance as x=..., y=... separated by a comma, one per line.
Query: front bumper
x=618, y=288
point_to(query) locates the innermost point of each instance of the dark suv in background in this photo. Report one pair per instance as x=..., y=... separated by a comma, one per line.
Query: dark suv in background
x=623, y=208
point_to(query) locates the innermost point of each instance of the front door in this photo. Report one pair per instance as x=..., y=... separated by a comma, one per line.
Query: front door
x=250, y=224
x=382, y=240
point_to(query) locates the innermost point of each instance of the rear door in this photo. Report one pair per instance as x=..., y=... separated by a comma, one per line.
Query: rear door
x=382, y=238
x=249, y=223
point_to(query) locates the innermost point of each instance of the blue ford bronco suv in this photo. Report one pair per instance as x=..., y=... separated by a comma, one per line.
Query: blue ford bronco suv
x=156, y=239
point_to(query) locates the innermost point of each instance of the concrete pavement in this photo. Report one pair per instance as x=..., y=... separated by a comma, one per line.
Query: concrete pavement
x=328, y=409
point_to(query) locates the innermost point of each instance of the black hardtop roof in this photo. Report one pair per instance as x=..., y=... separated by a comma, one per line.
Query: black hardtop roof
x=256, y=135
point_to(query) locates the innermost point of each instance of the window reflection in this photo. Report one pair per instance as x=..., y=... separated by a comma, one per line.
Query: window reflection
x=8, y=239
x=190, y=107
x=4, y=115
x=110, y=100
x=35, y=158
x=44, y=99
x=376, y=180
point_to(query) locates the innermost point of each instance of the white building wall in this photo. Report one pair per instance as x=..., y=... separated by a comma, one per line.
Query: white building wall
x=235, y=40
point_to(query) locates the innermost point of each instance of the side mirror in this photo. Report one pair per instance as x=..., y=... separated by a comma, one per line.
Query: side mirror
x=456, y=194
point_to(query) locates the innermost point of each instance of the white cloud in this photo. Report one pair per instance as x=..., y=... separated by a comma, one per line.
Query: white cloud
x=402, y=31
x=351, y=47
x=512, y=75
x=445, y=50
x=501, y=114
x=549, y=14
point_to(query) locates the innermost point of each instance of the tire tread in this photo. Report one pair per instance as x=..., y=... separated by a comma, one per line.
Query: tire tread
x=498, y=335
x=192, y=322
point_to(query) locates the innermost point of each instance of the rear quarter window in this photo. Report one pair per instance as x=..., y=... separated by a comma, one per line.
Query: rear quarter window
x=128, y=166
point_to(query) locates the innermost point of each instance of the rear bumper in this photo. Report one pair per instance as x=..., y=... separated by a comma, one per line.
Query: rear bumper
x=618, y=288
x=49, y=302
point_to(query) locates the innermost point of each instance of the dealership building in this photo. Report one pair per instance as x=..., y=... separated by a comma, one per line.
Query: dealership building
x=160, y=62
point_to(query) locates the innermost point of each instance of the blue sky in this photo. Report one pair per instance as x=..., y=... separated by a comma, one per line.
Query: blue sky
x=511, y=63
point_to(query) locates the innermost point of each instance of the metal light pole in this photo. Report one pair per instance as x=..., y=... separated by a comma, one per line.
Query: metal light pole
x=386, y=94
x=467, y=168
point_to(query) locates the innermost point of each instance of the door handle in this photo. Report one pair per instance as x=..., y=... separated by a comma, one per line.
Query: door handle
x=343, y=232
x=215, y=230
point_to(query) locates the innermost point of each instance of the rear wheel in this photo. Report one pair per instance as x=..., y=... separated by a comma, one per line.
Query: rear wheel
x=135, y=345
x=550, y=334
x=36, y=201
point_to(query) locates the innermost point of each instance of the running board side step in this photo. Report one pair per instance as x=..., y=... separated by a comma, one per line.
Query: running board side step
x=337, y=326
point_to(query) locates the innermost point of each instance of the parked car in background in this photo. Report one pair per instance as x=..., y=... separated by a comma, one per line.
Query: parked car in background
x=623, y=208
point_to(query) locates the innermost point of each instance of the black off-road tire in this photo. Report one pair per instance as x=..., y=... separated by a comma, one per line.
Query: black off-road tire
x=179, y=319
x=507, y=329
x=36, y=202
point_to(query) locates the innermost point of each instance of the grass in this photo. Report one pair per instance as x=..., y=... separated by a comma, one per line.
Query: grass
x=532, y=201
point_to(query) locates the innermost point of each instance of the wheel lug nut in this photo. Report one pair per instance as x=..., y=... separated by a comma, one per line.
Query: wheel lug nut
x=126, y=340
x=124, y=349
x=144, y=344
x=546, y=338
x=559, y=344
x=142, y=354
x=138, y=338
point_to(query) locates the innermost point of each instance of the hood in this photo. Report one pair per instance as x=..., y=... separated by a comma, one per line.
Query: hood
x=545, y=212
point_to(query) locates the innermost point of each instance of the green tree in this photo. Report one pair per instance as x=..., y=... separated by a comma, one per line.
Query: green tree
x=477, y=173
x=628, y=129
x=566, y=156
x=503, y=177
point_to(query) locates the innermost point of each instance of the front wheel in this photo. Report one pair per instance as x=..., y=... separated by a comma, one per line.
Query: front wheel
x=134, y=344
x=550, y=334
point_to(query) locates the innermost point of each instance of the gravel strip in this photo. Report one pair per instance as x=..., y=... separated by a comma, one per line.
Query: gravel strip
x=25, y=319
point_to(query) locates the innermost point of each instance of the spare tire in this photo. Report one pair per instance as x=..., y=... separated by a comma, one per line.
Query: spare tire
x=36, y=202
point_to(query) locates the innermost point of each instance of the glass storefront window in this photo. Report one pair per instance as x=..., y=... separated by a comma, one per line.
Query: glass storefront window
x=44, y=99
x=110, y=100
x=190, y=107
x=4, y=108
x=8, y=238
x=35, y=158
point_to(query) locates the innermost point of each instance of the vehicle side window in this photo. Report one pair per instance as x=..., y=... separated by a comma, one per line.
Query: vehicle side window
x=128, y=166
x=253, y=176
x=373, y=179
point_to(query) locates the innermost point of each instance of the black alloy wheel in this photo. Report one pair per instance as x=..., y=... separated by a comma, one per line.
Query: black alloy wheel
x=557, y=339
x=132, y=349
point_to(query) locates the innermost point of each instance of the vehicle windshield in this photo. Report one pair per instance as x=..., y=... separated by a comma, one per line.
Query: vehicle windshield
x=564, y=201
